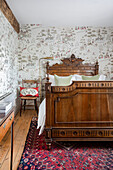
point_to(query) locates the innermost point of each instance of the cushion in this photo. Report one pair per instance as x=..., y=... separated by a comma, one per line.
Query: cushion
x=52, y=80
x=78, y=77
x=29, y=91
x=96, y=77
x=72, y=79
x=102, y=77
x=62, y=80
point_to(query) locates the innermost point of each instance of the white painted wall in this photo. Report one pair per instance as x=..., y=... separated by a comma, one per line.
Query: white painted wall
x=63, y=12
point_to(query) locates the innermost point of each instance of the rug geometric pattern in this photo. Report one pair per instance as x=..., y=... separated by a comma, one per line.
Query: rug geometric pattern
x=64, y=155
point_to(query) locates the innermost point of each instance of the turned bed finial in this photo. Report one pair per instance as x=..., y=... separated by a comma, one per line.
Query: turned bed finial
x=96, y=67
x=72, y=58
x=47, y=68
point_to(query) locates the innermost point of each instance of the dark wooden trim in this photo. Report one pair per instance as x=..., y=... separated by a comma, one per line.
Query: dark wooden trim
x=4, y=7
x=71, y=66
x=83, y=85
x=80, y=133
x=12, y=136
x=82, y=139
x=84, y=122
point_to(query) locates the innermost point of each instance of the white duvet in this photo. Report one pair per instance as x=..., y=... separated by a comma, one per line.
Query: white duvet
x=42, y=116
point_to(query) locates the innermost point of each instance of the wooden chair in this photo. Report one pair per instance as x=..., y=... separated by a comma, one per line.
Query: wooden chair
x=29, y=84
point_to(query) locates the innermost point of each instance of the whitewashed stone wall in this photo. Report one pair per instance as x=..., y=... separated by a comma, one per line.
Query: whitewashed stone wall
x=8, y=57
x=88, y=43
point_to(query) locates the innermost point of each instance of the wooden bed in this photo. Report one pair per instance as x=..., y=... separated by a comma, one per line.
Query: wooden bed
x=82, y=111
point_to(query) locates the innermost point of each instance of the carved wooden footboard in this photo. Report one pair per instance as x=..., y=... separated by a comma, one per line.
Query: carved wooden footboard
x=81, y=111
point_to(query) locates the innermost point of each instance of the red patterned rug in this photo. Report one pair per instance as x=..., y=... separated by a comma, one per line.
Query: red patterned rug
x=64, y=155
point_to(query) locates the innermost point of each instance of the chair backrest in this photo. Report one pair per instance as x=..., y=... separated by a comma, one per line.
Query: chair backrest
x=30, y=83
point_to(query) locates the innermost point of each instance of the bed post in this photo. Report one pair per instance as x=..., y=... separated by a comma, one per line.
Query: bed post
x=48, y=137
x=96, y=68
x=47, y=67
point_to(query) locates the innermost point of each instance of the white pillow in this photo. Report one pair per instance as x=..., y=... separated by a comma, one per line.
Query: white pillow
x=75, y=77
x=62, y=80
x=102, y=77
x=78, y=77
x=72, y=79
x=51, y=79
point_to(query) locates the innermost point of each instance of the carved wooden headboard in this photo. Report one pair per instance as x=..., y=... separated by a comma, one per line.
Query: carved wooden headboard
x=71, y=66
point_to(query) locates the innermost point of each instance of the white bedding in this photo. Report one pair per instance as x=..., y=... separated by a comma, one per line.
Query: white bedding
x=42, y=116
x=75, y=77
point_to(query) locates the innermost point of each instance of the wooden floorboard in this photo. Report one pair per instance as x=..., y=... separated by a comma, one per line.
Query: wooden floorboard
x=21, y=128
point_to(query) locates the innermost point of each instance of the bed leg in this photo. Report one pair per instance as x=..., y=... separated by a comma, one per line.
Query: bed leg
x=48, y=144
x=48, y=138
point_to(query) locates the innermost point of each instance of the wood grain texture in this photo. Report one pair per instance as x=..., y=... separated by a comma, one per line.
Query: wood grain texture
x=73, y=65
x=21, y=128
x=81, y=111
x=9, y=15
x=6, y=125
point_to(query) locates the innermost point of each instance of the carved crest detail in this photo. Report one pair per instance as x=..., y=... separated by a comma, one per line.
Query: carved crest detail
x=72, y=61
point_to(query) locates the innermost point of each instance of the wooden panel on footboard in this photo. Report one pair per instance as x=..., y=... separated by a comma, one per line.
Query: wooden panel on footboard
x=81, y=110
x=83, y=105
x=87, y=106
